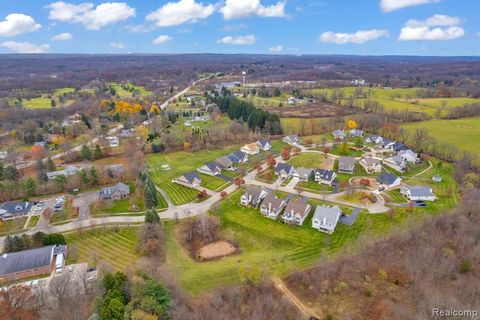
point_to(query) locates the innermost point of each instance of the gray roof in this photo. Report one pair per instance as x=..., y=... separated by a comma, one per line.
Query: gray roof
x=387, y=178
x=263, y=142
x=254, y=192
x=28, y=259
x=298, y=206
x=292, y=138
x=338, y=132
x=371, y=161
x=283, y=167
x=212, y=166
x=355, y=133
x=69, y=170
x=420, y=191
x=237, y=156
x=272, y=199
x=15, y=207
x=304, y=171
x=224, y=162
x=108, y=191
x=191, y=176
x=328, y=214
x=324, y=174
x=398, y=160
x=346, y=162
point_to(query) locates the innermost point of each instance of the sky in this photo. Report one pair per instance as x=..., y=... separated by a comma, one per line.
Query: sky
x=353, y=27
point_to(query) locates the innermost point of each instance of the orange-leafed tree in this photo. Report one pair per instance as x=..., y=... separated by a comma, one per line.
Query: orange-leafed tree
x=271, y=161
x=352, y=124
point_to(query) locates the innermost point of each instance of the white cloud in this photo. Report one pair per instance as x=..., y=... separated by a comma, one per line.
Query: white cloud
x=91, y=17
x=235, y=9
x=161, y=39
x=238, y=40
x=118, y=45
x=63, y=37
x=392, y=5
x=17, y=23
x=278, y=48
x=234, y=27
x=437, y=27
x=360, y=36
x=175, y=13
x=25, y=47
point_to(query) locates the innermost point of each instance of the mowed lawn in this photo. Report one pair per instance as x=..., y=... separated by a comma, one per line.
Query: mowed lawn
x=462, y=133
x=180, y=162
x=114, y=249
x=307, y=160
x=271, y=246
x=213, y=183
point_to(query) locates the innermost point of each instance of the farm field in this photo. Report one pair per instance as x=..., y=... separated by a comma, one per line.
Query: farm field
x=112, y=248
x=273, y=247
x=123, y=93
x=462, y=133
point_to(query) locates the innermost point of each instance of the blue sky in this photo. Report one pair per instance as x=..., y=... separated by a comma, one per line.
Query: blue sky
x=367, y=27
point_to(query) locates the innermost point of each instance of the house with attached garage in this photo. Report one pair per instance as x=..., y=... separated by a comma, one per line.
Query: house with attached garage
x=346, y=165
x=387, y=143
x=304, y=174
x=210, y=168
x=409, y=156
x=238, y=157
x=356, y=133
x=293, y=140
x=323, y=176
x=296, y=211
x=373, y=138
x=253, y=196
x=418, y=193
x=116, y=192
x=68, y=171
x=264, y=144
x=325, y=218
x=250, y=148
x=14, y=209
x=388, y=180
x=284, y=170
x=272, y=206
x=371, y=165
x=398, y=146
x=225, y=163
x=396, y=163
x=339, y=134
x=189, y=179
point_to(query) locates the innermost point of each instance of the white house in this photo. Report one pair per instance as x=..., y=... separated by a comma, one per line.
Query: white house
x=373, y=138
x=238, y=157
x=339, y=134
x=323, y=176
x=253, y=195
x=264, y=144
x=189, y=179
x=418, y=193
x=284, y=170
x=325, y=218
x=68, y=171
x=355, y=133
x=408, y=155
x=388, y=180
x=272, y=206
x=113, y=142
x=293, y=140
x=210, y=168
x=250, y=148
x=396, y=163
x=296, y=211
x=371, y=165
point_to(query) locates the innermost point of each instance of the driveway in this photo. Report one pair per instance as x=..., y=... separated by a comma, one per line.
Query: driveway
x=83, y=202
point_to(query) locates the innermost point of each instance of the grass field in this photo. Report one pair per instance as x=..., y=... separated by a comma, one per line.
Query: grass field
x=11, y=226
x=462, y=133
x=213, y=183
x=180, y=162
x=314, y=186
x=122, y=93
x=33, y=221
x=307, y=160
x=271, y=246
x=102, y=246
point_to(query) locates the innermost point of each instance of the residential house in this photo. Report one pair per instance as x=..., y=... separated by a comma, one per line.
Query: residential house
x=284, y=170
x=339, y=134
x=113, y=142
x=238, y=157
x=253, y=195
x=387, y=143
x=346, y=165
x=292, y=100
x=225, y=163
x=68, y=171
x=325, y=218
x=14, y=209
x=42, y=144
x=126, y=133
x=189, y=179
x=293, y=140
x=373, y=138
x=418, y=193
x=264, y=145
x=323, y=176
x=408, y=155
x=388, y=180
x=115, y=192
x=398, y=146
x=304, y=174
x=30, y=263
x=356, y=133
x=296, y=211
x=396, y=163
x=272, y=206
x=250, y=148
x=210, y=168
x=371, y=165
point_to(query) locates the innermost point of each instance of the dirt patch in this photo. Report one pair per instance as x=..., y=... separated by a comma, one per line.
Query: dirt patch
x=216, y=250
x=328, y=163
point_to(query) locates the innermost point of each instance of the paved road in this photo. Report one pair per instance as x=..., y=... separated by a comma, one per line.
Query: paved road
x=83, y=202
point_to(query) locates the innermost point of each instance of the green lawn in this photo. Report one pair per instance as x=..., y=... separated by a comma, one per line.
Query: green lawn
x=178, y=194
x=33, y=221
x=268, y=176
x=12, y=226
x=123, y=93
x=462, y=133
x=313, y=186
x=213, y=183
x=104, y=246
x=271, y=246
x=307, y=160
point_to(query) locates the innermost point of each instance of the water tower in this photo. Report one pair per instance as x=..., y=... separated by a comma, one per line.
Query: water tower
x=244, y=74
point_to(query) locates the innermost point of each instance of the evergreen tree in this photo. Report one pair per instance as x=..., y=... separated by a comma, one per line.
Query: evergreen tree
x=30, y=187
x=51, y=165
x=93, y=176
x=61, y=181
x=151, y=216
x=98, y=152
x=84, y=177
x=41, y=171
x=11, y=173
x=85, y=153
x=150, y=195
x=2, y=170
